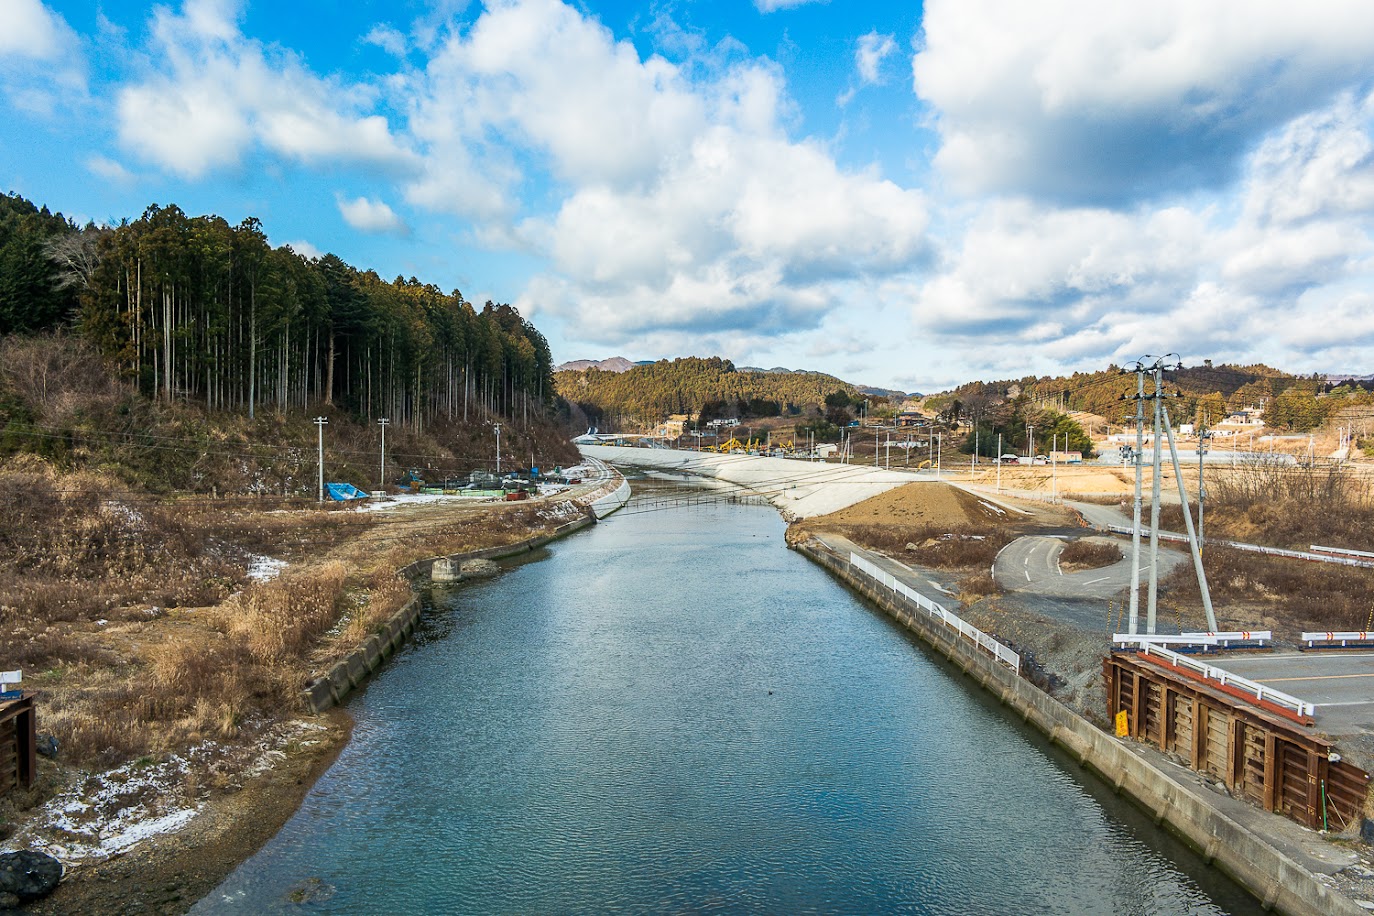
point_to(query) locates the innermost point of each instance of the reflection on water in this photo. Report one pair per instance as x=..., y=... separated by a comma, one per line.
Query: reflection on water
x=674, y=713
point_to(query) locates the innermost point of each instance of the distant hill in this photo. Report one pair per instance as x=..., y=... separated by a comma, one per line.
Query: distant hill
x=1204, y=393
x=890, y=393
x=614, y=364
x=778, y=370
x=645, y=394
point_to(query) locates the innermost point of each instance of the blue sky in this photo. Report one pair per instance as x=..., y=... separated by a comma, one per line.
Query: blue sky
x=902, y=194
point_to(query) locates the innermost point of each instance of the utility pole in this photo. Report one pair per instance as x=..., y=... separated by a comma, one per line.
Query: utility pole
x=1134, y=622
x=498, y=448
x=320, y=422
x=1202, y=437
x=1030, y=443
x=381, y=481
x=1054, y=471
x=1157, y=466
x=999, y=462
x=939, y=450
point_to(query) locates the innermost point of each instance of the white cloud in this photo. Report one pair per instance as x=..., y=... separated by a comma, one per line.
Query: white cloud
x=681, y=207
x=213, y=95
x=42, y=67
x=873, y=49
x=388, y=39
x=1282, y=272
x=371, y=216
x=1321, y=163
x=29, y=29
x=108, y=169
x=1079, y=101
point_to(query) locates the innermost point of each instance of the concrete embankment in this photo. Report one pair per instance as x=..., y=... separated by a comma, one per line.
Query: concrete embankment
x=1277, y=880
x=799, y=489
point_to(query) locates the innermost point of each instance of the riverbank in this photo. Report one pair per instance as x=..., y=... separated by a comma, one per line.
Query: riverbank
x=165, y=827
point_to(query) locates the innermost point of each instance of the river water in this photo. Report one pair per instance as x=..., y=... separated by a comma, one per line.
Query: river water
x=672, y=713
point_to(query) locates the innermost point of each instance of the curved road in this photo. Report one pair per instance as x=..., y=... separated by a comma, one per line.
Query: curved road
x=1031, y=564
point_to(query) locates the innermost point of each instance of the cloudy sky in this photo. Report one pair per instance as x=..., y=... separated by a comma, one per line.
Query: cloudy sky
x=903, y=194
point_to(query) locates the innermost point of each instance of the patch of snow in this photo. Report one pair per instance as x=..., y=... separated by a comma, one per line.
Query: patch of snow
x=383, y=503
x=127, y=514
x=108, y=813
x=263, y=569
x=987, y=505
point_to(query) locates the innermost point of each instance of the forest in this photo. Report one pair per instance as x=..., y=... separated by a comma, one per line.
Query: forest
x=195, y=309
x=645, y=395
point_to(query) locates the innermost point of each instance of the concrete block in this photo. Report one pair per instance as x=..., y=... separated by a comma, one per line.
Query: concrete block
x=372, y=653
x=339, y=683
x=445, y=569
x=357, y=668
x=319, y=696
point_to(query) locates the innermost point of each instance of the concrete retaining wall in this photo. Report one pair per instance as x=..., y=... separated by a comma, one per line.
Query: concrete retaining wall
x=1278, y=881
x=612, y=501
x=331, y=688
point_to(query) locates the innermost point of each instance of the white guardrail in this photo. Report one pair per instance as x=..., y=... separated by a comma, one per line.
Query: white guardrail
x=1342, y=551
x=1223, y=640
x=1227, y=679
x=967, y=630
x=1255, y=548
x=1335, y=636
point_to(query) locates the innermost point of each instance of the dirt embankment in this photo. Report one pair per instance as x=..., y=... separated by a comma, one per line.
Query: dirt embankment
x=175, y=701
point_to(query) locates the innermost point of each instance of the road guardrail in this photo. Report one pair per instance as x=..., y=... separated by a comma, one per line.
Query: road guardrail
x=1331, y=637
x=998, y=651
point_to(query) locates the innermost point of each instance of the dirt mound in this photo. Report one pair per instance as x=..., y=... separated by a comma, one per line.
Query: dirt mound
x=918, y=505
x=1090, y=480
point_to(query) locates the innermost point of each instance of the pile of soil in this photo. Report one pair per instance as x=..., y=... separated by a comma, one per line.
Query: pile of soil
x=917, y=505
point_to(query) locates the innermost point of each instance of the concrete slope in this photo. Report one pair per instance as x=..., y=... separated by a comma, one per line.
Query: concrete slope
x=800, y=489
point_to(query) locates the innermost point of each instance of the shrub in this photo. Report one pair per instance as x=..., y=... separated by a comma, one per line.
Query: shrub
x=1089, y=553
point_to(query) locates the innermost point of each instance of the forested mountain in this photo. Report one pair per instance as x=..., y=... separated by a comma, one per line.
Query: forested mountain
x=645, y=395
x=194, y=309
x=1206, y=394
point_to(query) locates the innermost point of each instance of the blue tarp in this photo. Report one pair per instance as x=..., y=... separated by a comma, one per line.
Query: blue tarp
x=340, y=492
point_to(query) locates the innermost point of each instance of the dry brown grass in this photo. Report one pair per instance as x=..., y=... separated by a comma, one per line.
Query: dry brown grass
x=1089, y=553
x=975, y=587
x=1286, y=506
x=1296, y=594
x=277, y=621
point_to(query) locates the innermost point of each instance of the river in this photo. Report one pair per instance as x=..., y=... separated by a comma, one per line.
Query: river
x=671, y=712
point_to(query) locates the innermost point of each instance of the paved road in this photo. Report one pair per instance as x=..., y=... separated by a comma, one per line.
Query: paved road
x=1031, y=564
x=1340, y=683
